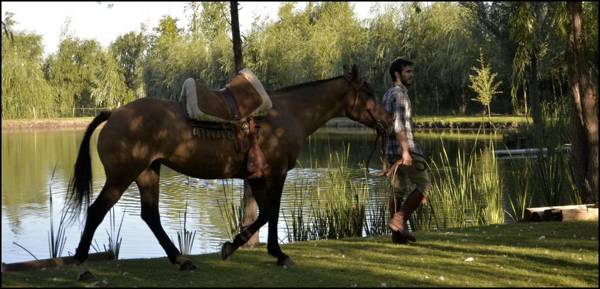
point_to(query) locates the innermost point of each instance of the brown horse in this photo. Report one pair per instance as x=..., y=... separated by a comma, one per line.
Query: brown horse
x=148, y=132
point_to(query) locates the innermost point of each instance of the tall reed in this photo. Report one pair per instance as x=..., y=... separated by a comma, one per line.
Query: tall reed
x=231, y=213
x=114, y=235
x=56, y=241
x=467, y=192
x=185, y=238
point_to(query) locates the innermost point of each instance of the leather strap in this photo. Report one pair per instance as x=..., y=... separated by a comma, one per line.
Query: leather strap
x=235, y=111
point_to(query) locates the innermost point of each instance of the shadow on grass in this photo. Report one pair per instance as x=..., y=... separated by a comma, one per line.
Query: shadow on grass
x=505, y=255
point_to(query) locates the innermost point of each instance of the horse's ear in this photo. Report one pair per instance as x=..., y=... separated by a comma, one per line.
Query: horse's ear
x=354, y=72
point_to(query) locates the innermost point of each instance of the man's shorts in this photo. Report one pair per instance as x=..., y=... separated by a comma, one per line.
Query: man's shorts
x=409, y=178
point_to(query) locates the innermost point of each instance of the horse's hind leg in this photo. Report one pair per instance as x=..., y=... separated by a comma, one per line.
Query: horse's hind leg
x=110, y=194
x=258, y=190
x=147, y=182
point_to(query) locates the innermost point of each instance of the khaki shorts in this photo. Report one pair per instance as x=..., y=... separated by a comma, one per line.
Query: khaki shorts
x=410, y=178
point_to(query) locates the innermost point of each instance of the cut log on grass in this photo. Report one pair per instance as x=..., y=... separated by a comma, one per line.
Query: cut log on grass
x=587, y=212
x=45, y=263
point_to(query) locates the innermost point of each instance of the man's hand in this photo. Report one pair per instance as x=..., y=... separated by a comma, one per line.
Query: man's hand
x=406, y=159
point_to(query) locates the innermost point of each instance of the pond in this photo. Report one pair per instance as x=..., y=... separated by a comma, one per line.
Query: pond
x=37, y=163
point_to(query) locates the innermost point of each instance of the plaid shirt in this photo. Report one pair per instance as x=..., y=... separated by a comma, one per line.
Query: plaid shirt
x=397, y=102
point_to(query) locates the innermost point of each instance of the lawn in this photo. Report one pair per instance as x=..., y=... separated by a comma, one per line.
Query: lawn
x=549, y=254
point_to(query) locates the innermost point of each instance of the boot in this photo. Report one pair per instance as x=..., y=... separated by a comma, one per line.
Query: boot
x=394, y=206
x=398, y=222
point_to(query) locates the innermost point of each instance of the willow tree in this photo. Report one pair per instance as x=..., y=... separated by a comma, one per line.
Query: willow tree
x=71, y=71
x=109, y=88
x=25, y=92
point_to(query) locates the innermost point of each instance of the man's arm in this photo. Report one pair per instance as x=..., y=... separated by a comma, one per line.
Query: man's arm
x=400, y=127
x=403, y=141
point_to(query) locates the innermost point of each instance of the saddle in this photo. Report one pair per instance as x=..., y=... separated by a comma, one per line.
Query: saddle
x=237, y=105
x=244, y=96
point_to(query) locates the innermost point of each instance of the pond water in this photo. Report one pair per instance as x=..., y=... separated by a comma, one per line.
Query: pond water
x=37, y=163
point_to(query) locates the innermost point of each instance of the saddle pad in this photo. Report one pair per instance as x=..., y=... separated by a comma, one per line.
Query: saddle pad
x=203, y=104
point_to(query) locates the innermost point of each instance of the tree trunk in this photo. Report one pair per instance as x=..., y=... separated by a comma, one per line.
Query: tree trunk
x=250, y=209
x=250, y=206
x=584, y=118
x=235, y=31
x=536, y=108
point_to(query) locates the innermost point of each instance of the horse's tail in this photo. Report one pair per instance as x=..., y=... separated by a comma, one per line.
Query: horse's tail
x=80, y=185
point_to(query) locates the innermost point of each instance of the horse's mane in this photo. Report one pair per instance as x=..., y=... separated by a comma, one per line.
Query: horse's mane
x=305, y=84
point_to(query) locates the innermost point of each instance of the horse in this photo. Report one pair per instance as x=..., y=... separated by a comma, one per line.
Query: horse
x=143, y=134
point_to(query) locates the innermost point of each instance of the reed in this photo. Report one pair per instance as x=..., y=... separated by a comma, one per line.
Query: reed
x=114, y=235
x=231, y=213
x=185, y=238
x=300, y=230
x=545, y=179
x=56, y=241
x=467, y=192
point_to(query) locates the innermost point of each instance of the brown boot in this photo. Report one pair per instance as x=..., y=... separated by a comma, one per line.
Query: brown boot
x=394, y=206
x=398, y=222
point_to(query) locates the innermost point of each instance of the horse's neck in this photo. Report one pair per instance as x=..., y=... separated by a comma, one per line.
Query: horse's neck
x=312, y=106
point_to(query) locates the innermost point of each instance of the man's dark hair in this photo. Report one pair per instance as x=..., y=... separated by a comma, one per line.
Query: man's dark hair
x=397, y=65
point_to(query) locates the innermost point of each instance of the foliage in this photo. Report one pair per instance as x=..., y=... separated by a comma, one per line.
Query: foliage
x=524, y=42
x=71, y=71
x=25, y=92
x=484, y=84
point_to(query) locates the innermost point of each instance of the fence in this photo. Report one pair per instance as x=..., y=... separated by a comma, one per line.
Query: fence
x=87, y=111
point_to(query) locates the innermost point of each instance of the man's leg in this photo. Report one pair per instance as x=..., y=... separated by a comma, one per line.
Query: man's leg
x=412, y=201
x=397, y=191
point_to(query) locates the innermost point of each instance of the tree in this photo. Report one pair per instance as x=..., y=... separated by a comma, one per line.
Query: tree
x=72, y=71
x=129, y=52
x=585, y=109
x=484, y=84
x=25, y=92
x=235, y=33
x=109, y=87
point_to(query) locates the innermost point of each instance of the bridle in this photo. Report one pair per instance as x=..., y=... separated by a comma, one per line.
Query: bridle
x=380, y=126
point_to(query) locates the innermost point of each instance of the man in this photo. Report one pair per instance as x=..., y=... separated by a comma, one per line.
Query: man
x=409, y=166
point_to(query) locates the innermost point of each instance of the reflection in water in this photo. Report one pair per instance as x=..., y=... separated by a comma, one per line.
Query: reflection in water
x=29, y=157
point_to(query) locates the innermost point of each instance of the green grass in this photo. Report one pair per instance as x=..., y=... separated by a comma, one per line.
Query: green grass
x=552, y=254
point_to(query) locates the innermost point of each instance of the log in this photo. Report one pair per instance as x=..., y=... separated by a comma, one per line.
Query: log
x=587, y=212
x=53, y=262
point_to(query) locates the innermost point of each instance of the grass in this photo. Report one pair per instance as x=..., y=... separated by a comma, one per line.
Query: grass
x=552, y=254
x=459, y=119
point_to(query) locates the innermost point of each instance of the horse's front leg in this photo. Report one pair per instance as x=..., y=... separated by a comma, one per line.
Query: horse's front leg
x=273, y=240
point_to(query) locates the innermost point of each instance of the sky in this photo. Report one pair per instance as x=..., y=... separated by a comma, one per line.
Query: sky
x=104, y=21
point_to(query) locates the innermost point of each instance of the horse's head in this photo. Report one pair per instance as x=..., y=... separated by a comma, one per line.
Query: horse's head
x=361, y=104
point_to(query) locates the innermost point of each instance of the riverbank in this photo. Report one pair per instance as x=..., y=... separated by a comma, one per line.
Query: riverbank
x=53, y=123
x=546, y=254
x=421, y=123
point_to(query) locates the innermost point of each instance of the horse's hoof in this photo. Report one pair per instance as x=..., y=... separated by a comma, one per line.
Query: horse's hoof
x=187, y=266
x=287, y=262
x=226, y=250
x=86, y=276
